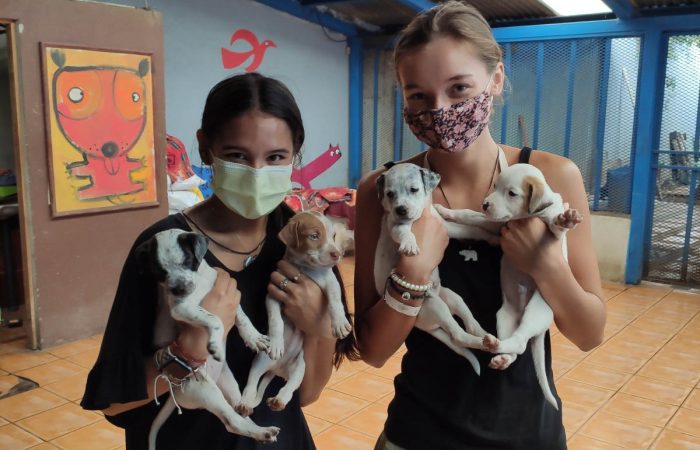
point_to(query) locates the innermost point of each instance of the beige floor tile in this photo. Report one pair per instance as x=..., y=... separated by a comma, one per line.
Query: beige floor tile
x=334, y=406
x=561, y=366
x=14, y=438
x=673, y=440
x=85, y=359
x=71, y=388
x=45, y=446
x=72, y=348
x=654, y=291
x=52, y=371
x=7, y=382
x=693, y=400
x=581, y=442
x=686, y=421
x=658, y=324
x=640, y=409
x=316, y=425
x=384, y=401
x=599, y=376
x=99, y=436
x=575, y=415
x=346, y=369
x=563, y=348
x=389, y=370
x=3, y=422
x=340, y=438
x=661, y=370
x=369, y=421
x=658, y=390
x=614, y=358
x=619, y=431
x=365, y=386
x=582, y=394
x=58, y=421
x=28, y=403
x=15, y=346
x=16, y=362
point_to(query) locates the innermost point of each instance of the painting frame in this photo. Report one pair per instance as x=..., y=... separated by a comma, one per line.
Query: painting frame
x=119, y=174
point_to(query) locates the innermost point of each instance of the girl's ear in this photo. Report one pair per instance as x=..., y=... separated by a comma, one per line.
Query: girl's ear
x=499, y=79
x=204, y=153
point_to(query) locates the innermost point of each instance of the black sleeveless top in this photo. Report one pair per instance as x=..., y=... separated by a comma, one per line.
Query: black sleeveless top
x=441, y=403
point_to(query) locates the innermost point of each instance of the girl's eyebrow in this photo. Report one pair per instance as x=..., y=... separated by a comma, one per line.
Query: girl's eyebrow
x=234, y=147
x=462, y=76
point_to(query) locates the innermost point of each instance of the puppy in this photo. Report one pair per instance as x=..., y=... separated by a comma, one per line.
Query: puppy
x=176, y=258
x=311, y=248
x=521, y=191
x=405, y=190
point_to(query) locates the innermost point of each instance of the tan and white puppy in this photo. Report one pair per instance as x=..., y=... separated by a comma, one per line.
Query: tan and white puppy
x=176, y=259
x=309, y=237
x=405, y=190
x=521, y=191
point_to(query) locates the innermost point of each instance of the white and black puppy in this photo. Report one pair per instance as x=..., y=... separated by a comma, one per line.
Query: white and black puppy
x=311, y=248
x=176, y=258
x=405, y=190
x=521, y=191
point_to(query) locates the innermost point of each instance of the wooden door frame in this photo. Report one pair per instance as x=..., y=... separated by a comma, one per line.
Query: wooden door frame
x=23, y=197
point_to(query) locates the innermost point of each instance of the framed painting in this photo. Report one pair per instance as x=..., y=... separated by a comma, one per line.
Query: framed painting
x=99, y=120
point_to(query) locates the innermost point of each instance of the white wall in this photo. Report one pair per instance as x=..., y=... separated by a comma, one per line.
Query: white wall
x=610, y=237
x=314, y=68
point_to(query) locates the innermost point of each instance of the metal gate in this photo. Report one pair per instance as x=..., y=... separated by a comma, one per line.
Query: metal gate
x=673, y=243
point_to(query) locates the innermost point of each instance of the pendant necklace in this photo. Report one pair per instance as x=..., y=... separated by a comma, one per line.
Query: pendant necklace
x=249, y=255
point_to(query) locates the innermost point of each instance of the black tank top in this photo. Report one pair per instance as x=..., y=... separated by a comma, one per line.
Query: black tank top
x=441, y=403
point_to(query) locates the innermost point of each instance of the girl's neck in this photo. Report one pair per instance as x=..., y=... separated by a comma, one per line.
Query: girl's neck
x=471, y=168
x=214, y=216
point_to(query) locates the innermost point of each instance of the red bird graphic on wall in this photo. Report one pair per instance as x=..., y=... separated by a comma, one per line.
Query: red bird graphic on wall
x=231, y=59
x=316, y=167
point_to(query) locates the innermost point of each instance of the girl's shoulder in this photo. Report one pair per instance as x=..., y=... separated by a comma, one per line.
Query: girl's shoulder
x=560, y=172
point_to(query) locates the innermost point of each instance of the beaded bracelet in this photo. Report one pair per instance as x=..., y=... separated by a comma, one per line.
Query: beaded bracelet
x=405, y=295
x=396, y=278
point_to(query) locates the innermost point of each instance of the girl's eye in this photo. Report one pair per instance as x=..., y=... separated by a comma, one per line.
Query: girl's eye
x=235, y=155
x=416, y=96
x=390, y=194
x=275, y=157
x=414, y=190
x=461, y=88
x=512, y=194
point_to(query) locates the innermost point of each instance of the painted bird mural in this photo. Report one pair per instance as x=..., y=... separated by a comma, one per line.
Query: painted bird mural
x=232, y=59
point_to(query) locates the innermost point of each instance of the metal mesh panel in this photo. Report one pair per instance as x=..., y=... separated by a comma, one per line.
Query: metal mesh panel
x=674, y=243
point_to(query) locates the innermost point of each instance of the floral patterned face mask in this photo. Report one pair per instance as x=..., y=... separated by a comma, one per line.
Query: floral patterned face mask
x=452, y=128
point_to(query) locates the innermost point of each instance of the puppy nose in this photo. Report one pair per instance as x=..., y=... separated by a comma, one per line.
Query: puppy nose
x=401, y=210
x=485, y=206
x=335, y=255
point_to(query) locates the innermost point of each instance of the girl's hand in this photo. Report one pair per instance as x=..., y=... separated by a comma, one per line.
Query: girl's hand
x=432, y=239
x=302, y=300
x=222, y=301
x=530, y=246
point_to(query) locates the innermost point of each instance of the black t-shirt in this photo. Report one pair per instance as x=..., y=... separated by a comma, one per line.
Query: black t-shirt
x=119, y=374
x=442, y=404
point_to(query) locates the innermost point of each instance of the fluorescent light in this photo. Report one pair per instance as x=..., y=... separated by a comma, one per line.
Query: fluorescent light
x=577, y=7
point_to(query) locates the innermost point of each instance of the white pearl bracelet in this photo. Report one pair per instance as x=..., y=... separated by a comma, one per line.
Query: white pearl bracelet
x=409, y=286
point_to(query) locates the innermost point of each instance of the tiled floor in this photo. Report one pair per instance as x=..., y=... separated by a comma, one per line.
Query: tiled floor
x=639, y=390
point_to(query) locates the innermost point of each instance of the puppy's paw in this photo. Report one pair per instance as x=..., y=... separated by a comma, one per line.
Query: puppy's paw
x=569, y=219
x=409, y=246
x=266, y=435
x=244, y=409
x=214, y=348
x=491, y=343
x=342, y=329
x=501, y=362
x=275, y=404
x=258, y=343
x=276, y=349
x=445, y=213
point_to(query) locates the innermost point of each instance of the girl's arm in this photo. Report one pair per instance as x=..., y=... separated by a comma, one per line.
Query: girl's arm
x=573, y=290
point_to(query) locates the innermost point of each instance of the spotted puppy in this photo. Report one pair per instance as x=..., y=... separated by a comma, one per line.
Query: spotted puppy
x=176, y=258
x=309, y=237
x=521, y=191
x=405, y=190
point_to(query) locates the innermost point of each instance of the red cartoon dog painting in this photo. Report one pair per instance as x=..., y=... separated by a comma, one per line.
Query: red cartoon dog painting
x=101, y=111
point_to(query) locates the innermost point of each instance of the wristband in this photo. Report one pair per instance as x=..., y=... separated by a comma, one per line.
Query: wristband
x=397, y=306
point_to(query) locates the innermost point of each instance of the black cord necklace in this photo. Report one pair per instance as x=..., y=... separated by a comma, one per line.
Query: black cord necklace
x=249, y=256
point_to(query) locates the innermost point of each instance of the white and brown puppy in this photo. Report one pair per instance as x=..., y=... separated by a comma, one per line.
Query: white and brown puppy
x=176, y=259
x=311, y=248
x=405, y=190
x=521, y=191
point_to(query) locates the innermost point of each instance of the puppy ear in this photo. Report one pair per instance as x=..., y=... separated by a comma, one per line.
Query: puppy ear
x=195, y=247
x=289, y=235
x=430, y=179
x=380, y=186
x=537, y=201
